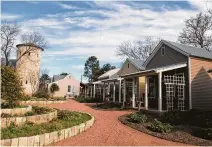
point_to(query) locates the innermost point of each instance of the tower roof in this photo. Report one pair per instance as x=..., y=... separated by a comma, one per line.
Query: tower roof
x=29, y=44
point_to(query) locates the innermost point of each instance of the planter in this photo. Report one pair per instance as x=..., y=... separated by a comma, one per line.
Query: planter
x=37, y=119
x=49, y=138
x=40, y=102
x=16, y=111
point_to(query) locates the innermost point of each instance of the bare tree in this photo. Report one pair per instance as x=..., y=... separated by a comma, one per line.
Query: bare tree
x=196, y=31
x=138, y=49
x=30, y=40
x=9, y=32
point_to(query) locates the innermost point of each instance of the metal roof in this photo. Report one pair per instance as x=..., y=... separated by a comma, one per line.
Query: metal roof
x=137, y=63
x=192, y=51
x=57, y=77
x=109, y=73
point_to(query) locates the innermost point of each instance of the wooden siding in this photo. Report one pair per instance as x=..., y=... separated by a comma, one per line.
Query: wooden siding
x=201, y=83
x=125, y=70
x=171, y=57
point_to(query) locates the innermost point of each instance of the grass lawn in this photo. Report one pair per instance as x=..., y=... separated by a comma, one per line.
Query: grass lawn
x=65, y=119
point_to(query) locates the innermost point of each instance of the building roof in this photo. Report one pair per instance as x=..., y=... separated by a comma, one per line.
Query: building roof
x=57, y=78
x=157, y=70
x=29, y=44
x=183, y=49
x=192, y=51
x=109, y=74
x=137, y=63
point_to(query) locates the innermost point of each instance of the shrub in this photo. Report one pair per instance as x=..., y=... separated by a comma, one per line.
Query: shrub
x=203, y=133
x=41, y=94
x=160, y=127
x=173, y=117
x=63, y=114
x=11, y=89
x=41, y=110
x=54, y=87
x=138, y=118
x=30, y=113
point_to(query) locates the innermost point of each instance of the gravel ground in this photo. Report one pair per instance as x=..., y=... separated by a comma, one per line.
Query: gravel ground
x=108, y=130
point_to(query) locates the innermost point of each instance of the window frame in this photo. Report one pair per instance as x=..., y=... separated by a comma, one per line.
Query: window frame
x=163, y=51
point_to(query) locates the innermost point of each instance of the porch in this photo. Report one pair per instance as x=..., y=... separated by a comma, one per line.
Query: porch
x=165, y=89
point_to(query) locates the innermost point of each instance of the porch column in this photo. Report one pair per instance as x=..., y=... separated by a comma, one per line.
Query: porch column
x=94, y=90
x=114, y=91
x=120, y=90
x=108, y=88
x=124, y=98
x=100, y=87
x=146, y=92
x=85, y=91
x=133, y=93
x=91, y=91
x=160, y=91
x=103, y=91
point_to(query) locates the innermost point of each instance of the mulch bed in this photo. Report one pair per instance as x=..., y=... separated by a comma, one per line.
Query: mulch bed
x=179, y=134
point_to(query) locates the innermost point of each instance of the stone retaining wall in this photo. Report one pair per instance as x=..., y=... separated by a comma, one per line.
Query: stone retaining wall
x=17, y=111
x=37, y=119
x=48, y=138
x=40, y=102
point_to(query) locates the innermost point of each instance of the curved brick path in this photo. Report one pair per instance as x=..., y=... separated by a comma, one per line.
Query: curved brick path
x=107, y=130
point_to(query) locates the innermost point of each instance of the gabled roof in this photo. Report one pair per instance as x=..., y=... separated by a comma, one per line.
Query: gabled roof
x=182, y=48
x=137, y=63
x=58, y=77
x=109, y=74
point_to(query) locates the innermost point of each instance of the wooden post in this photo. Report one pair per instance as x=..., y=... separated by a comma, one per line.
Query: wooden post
x=146, y=92
x=85, y=91
x=133, y=93
x=103, y=92
x=94, y=91
x=124, y=98
x=160, y=91
x=120, y=90
x=114, y=92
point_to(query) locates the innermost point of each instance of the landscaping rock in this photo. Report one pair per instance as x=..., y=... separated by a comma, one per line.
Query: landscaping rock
x=37, y=140
x=30, y=141
x=47, y=139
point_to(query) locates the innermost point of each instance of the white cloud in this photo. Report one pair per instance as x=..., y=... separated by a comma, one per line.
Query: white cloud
x=65, y=6
x=78, y=67
x=10, y=17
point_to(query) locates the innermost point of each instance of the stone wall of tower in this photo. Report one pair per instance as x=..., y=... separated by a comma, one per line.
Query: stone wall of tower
x=28, y=68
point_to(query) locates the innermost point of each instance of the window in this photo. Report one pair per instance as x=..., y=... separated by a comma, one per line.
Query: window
x=20, y=52
x=128, y=65
x=26, y=82
x=73, y=89
x=69, y=77
x=163, y=51
x=69, y=88
x=29, y=54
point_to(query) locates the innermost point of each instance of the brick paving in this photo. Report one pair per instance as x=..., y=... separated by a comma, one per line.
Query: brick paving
x=108, y=131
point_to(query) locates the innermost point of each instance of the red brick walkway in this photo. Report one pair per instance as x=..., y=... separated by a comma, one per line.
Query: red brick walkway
x=107, y=130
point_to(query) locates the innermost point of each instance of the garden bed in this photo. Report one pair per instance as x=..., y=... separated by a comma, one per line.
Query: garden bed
x=82, y=99
x=41, y=102
x=108, y=106
x=66, y=125
x=177, y=133
x=38, y=115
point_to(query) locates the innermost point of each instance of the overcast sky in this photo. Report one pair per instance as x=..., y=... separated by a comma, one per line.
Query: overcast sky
x=77, y=30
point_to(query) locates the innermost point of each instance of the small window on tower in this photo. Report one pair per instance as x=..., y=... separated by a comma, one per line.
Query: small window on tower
x=128, y=65
x=26, y=82
x=29, y=54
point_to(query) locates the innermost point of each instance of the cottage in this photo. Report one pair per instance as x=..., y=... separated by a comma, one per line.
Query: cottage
x=69, y=86
x=176, y=78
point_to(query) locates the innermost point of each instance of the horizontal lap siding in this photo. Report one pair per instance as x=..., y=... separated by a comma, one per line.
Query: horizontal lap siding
x=201, y=83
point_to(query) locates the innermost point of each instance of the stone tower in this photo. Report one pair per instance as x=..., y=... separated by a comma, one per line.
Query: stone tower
x=28, y=66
